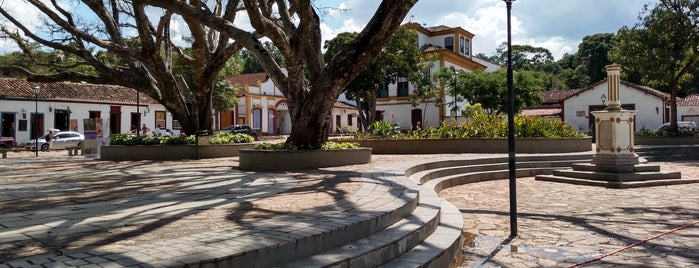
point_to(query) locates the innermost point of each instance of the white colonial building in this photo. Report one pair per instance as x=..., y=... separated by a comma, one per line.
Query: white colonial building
x=261, y=105
x=453, y=49
x=66, y=105
x=651, y=105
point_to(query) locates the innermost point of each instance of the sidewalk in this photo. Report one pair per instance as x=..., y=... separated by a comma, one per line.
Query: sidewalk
x=81, y=211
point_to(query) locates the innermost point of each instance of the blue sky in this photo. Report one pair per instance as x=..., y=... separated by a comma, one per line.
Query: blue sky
x=558, y=25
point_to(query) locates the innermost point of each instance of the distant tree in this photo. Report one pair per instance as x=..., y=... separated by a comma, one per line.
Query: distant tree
x=426, y=89
x=400, y=58
x=663, y=47
x=593, y=53
x=526, y=57
x=252, y=65
x=490, y=89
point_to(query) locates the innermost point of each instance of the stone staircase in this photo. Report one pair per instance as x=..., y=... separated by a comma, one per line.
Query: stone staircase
x=668, y=153
x=431, y=235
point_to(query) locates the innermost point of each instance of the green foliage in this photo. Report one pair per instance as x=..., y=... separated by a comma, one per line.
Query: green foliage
x=490, y=89
x=282, y=146
x=383, y=129
x=217, y=138
x=491, y=126
x=679, y=132
x=228, y=138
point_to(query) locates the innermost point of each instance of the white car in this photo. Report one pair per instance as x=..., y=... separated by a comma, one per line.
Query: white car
x=61, y=140
x=680, y=124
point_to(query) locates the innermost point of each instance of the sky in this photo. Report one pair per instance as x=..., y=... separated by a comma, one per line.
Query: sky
x=557, y=25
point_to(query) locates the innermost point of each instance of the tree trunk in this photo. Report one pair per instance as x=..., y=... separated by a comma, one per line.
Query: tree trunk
x=673, y=105
x=310, y=122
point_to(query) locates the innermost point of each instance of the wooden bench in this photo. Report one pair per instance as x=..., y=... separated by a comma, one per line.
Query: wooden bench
x=73, y=150
x=3, y=151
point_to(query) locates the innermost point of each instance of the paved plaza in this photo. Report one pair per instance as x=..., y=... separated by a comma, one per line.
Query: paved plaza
x=79, y=211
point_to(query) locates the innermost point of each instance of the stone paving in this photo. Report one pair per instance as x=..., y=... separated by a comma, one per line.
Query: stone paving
x=560, y=225
x=83, y=212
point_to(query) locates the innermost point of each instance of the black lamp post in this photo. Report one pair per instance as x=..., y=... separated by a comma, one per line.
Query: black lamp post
x=454, y=76
x=37, y=90
x=138, y=101
x=511, y=128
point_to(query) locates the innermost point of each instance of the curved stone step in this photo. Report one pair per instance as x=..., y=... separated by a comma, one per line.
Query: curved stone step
x=385, y=245
x=441, y=248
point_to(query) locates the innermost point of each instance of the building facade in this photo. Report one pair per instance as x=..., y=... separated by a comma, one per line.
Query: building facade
x=453, y=49
x=65, y=106
x=261, y=105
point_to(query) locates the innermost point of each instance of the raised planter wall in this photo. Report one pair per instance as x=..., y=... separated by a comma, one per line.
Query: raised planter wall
x=273, y=160
x=646, y=140
x=169, y=152
x=477, y=145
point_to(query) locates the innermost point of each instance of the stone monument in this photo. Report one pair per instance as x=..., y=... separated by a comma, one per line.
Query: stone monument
x=615, y=164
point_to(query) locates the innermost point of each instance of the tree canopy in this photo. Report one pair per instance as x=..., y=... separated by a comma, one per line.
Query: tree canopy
x=663, y=47
x=400, y=59
x=310, y=84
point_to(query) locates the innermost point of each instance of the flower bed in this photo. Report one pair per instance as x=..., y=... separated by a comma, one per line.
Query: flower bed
x=279, y=160
x=477, y=145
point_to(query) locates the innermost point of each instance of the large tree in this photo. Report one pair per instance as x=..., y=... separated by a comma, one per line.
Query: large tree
x=663, y=47
x=593, y=53
x=309, y=82
x=116, y=42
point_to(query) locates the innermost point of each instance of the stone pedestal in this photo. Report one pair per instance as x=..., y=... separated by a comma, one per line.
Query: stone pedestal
x=615, y=164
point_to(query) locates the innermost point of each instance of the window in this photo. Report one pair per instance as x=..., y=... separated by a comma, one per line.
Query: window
x=449, y=43
x=383, y=90
x=403, y=89
x=349, y=119
x=160, y=119
x=464, y=46
x=176, y=124
x=95, y=114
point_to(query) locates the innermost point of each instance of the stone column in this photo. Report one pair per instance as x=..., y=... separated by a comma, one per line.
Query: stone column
x=615, y=129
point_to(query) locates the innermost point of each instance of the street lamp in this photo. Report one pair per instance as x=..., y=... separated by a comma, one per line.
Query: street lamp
x=138, y=101
x=37, y=90
x=454, y=74
x=511, y=128
x=604, y=99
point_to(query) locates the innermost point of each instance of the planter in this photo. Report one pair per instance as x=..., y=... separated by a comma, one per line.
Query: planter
x=169, y=152
x=652, y=140
x=277, y=160
x=477, y=145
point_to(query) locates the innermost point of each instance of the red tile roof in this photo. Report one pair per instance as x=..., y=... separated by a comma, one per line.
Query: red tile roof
x=648, y=90
x=12, y=88
x=691, y=100
x=541, y=112
x=249, y=79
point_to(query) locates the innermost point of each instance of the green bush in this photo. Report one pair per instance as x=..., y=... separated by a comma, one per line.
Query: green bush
x=482, y=125
x=216, y=138
x=282, y=146
x=681, y=132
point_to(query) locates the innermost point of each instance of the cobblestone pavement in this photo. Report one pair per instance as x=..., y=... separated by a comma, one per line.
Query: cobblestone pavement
x=560, y=225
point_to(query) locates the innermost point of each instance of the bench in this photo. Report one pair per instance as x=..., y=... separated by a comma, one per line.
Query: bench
x=3, y=151
x=73, y=150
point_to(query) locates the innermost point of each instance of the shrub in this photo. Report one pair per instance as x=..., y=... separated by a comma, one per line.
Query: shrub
x=282, y=146
x=681, y=132
x=481, y=125
x=216, y=138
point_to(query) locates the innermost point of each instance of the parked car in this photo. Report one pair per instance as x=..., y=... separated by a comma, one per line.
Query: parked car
x=244, y=129
x=7, y=142
x=61, y=140
x=680, y=124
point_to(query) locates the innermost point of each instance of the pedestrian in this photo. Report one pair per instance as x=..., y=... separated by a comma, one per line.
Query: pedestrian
x=145, y=130
x=49, y=139
x=158, y=131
